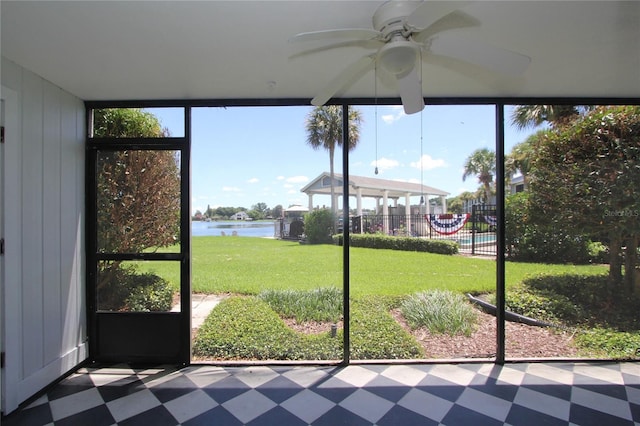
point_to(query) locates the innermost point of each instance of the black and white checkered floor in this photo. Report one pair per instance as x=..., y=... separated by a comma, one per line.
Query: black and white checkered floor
x=464, y=394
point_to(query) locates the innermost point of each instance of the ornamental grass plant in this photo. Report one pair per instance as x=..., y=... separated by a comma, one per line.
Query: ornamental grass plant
x=440, y=311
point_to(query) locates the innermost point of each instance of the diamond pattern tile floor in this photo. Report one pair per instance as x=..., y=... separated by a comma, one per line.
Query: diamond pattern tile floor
x=429, y=394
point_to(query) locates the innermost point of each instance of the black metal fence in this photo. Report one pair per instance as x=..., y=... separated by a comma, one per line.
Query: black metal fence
x=474, y=232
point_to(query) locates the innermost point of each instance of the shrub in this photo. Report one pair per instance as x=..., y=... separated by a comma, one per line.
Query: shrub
x=440, y=311
x=126, y=290
x=318, y=226
x=610, y=343
x=542, y=305
x=376, y=335
x=247, y=328
x=527, y=239
x=599, y=301
x=378, y=241
x=321, y=304
x=148, y=292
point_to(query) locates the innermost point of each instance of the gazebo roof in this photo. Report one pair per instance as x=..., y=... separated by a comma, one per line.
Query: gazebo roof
x=370, y=187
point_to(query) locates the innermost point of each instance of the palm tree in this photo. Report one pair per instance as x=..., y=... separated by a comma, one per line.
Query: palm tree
x=482, y=163
x=521, y=156
x=528, y=116
x=324, y=130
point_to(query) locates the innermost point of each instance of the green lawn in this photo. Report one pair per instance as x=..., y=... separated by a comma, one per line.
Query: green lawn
x=250, y=265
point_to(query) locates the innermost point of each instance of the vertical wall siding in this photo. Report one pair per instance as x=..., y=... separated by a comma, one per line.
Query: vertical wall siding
x=49, y=274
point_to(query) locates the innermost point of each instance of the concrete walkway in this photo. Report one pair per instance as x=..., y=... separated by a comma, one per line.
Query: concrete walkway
x=201, y=306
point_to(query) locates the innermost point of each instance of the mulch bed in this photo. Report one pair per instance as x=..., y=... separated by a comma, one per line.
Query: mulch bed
x=522, y=341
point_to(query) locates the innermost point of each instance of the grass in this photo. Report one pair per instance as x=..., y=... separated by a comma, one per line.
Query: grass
x=251, y=265
x=322, y=304
x=440, y=311
x=283, y=271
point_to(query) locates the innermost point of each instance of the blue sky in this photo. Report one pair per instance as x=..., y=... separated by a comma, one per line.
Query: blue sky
x=245, y=155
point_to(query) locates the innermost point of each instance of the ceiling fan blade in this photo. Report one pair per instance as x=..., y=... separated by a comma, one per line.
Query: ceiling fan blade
x=364, y=44
x=345, y=79
x=429, y=12
x=345, y=33
x=454, y=20
x=410, y=90
x=490, y=57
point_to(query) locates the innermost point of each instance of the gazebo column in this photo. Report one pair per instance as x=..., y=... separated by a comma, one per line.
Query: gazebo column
x=407, y=212
x=310, y=202
x=385, y=212
x=444, y=203
x=359, y=206
x=427, y=205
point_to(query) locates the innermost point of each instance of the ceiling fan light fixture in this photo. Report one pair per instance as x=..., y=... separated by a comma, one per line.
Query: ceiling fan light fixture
x=398, y=57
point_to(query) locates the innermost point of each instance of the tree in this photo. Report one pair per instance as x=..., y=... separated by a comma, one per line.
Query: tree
x=459, y=203
x=226, y=211
x=261, y=209
x=324, y=130
x=277, y=211
x=481, y=163
x=520, y=158
x=258, y=211
x=138, y=191
x=585, y=177
x=528, y=116
x=137, y=205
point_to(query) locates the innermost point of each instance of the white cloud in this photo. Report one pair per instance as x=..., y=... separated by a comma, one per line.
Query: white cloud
x=231, y=189
x=287, y=185
x=397, y=112
x=280, y=178
x=297, y=179
x=253, y=180
x=385, y=163
x=428, y=163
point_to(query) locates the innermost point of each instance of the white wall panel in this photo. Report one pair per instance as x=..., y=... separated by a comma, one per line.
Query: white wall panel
x=51, y=215
x=32, y=236
x=45, y=323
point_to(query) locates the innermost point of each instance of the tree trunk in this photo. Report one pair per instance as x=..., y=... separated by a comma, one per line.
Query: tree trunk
x=615, y=263
x=630, y=264
x=487, y=193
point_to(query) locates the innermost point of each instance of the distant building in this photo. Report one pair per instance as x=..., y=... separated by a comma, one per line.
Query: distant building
x=517, y=184
x=239, y=216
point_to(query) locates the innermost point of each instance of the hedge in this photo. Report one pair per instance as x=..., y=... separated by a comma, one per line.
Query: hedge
x=377, y=241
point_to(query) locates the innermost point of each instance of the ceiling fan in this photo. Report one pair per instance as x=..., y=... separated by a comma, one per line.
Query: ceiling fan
x=405, y=32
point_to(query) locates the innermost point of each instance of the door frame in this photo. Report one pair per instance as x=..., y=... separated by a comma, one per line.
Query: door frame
x=10, y=276
x=139, y=337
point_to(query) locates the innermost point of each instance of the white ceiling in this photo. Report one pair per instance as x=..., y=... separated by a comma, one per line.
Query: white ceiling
x=109, y=50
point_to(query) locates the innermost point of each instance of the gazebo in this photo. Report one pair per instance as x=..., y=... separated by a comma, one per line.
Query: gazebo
x=380, y=189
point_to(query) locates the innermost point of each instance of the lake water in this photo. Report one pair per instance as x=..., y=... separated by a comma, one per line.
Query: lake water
x=242, y=228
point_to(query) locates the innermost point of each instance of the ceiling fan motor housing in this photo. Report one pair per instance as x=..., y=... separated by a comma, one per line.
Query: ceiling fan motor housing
x=391, y=16
x=398, y=56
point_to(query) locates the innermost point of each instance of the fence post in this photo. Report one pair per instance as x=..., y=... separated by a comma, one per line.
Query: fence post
x=474, y=212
